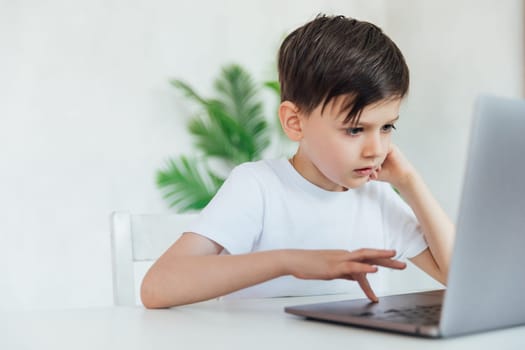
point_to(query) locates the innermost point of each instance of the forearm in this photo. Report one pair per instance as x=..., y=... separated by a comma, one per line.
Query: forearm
x=179, y=280
x=438, y=229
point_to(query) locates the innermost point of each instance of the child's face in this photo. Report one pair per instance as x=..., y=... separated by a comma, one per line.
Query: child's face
x=334, y=155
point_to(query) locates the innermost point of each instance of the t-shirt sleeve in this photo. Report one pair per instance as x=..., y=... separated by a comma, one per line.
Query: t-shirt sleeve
x=234, y=216
x=402, y=227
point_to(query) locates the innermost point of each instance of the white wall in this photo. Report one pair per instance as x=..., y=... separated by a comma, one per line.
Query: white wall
x=87, y=115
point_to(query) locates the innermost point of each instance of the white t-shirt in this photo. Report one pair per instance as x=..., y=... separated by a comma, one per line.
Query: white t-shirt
x=267, y=205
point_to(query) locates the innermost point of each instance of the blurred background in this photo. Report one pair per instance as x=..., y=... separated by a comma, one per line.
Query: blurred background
x=87, y=114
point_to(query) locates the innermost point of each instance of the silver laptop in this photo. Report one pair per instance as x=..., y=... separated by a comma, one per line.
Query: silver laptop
x=486, y=282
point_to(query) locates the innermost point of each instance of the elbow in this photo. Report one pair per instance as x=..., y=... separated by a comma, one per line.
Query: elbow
x=444, y=278
x=154, y=296
x=441, y=276
x=149, y=295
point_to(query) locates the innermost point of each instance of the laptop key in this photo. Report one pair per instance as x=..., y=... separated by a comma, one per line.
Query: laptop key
x=419, y=314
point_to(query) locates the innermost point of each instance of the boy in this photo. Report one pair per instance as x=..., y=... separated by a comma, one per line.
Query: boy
x=309, y=224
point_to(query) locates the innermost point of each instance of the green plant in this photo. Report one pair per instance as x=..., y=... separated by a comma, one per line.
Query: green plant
x=231, y=128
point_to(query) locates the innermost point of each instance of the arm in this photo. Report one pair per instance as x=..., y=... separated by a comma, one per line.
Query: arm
x=191, y=270
x=436, y=226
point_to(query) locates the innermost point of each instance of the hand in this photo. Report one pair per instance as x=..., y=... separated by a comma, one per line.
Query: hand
x=396, y=169
x=351, y=265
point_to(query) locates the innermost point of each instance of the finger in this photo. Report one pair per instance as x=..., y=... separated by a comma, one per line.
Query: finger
x=367, y=253
x=376, y=172
x=393, y=264
x=352, y=267
x=365, y=286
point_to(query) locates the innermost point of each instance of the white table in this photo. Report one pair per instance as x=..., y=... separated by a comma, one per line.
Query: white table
x=217, y=324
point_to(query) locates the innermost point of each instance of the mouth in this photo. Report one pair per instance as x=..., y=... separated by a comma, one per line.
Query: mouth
x=364, y=171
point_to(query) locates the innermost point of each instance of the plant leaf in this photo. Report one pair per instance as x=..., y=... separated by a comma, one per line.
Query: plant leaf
x=274, y=86
x=188, y=91
x=232, y=128
x=185, y=185
x=213, y=138
x=239, y=96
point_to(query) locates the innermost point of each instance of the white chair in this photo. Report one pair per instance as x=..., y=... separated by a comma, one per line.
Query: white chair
x=140, y=239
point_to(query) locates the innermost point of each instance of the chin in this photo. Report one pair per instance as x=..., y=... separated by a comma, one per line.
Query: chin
x=356, y=184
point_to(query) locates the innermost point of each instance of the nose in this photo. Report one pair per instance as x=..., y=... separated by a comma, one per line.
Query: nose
x=373, y=146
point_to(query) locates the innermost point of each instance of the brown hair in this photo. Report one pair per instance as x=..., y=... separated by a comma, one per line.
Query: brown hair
x=332, y=56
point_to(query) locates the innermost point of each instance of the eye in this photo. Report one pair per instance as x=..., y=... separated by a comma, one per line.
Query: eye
x=388, y=128
x=353, y=131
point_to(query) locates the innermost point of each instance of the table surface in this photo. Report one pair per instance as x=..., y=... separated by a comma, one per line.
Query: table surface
x=218, y=324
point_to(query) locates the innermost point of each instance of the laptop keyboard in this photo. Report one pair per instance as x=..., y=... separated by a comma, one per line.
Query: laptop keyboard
x=426, y=315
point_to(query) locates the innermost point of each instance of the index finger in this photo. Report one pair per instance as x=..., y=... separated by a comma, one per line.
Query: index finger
x=365, y=286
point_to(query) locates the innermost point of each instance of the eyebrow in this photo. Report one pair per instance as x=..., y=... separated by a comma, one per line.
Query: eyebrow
x=368, y=124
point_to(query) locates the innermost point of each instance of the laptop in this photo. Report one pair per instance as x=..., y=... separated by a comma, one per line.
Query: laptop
x=486, y=282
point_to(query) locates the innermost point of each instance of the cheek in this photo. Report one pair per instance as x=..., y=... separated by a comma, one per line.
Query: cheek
x=386, y=143
x=336, y=150
x=385, y=148
x=320, y=143
x=341, y=154
x=328, y=153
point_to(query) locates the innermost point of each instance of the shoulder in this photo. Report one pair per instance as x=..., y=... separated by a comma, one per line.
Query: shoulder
x=250, y=180
x=261, y=172
x=258, y=167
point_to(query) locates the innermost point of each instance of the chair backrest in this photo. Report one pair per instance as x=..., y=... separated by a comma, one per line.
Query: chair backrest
x=140, y=238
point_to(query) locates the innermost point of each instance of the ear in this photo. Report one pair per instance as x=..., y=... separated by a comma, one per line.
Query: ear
x=291, y=120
